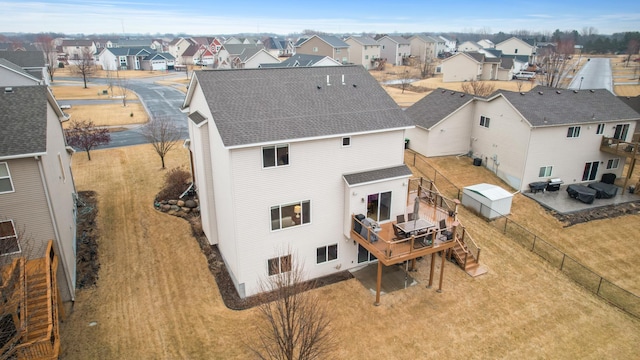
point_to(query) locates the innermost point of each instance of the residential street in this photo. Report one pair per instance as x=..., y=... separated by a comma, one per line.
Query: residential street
x=595, y=74
x=158, y=100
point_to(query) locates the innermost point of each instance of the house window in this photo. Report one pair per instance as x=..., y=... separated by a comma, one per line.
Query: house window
x=273, y=156
x=621, y=132
x=516, y=51
x=545, y=171
x=573, y=132
x=346, y=141
x=382, y=47
x=279, y=265
x=289, y=215
x=64, y=177
x=484, y=121
x=600, y=129
x=613, y=163
x=8, y=238
x=6, y=186
x=590, y=171
x=315, y=49
x=379, y=206
x=366, y=57
x=326, y=253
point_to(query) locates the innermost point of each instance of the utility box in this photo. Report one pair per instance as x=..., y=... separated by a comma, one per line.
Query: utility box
x=491, y=201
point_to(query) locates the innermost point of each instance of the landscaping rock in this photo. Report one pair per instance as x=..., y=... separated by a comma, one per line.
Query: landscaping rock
x=175, y=208
x=172, y=202
x=190, y=204
x=185, y=209
x=180, y=203
x=165, y=207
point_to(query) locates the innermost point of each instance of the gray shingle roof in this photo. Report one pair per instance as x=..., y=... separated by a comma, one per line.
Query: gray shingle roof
x=377, y=175
x=399, y=39
x=333, y=41
x=9, y=65
x=242, y=103
x=237, y=49
x=24, y=120
x=436, y=106
x=364, y=40
x=297, y=60
x=633, y=102
x=25, y=59
x=569, y=107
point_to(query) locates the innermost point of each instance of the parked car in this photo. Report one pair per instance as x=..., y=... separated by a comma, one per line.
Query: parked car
x=524, y=75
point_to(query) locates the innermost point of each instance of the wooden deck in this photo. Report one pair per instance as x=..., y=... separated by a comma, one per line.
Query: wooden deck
x=624, y=149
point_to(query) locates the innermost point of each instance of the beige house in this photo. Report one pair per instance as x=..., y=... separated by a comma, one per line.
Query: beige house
x=426, y=47
x=73, y=49
x=526, y=137
x=364, y=51
x=475, y=66
x=12, y=74
x=515, y=46
x=252, y=165
x=325, y=45
x=469, y=46
x=394, y=49
x=37, y=192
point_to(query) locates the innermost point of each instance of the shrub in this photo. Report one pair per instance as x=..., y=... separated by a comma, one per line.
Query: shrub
x=176, y=181
x=61, y=65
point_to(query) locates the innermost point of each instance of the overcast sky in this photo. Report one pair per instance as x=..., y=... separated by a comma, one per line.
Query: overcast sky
x=203, y=17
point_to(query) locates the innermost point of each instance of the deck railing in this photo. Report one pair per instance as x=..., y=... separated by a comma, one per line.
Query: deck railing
x=617, y=145
x=13, y=303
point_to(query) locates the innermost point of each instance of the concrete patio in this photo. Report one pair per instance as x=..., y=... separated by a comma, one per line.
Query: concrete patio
x=560, y=201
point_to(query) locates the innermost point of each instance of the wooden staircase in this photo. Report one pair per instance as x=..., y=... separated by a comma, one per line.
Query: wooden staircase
x=37, y=335
x=464, y=258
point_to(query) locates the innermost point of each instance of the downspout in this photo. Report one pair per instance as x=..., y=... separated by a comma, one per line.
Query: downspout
x=55, y=226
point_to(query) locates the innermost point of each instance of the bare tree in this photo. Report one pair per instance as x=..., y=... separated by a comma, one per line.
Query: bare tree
x=519, y=85
x=296, y=324
x=48, y=47
x=554, y=63
x=405, y=78
x=632, y=49
x=123, y=87
x=426, y=67
x=479, y=88
x=83, y=134
x=85, y=65
x=163, y=134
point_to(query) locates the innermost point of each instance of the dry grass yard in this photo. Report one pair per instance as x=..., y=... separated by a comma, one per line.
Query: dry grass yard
x=155, y=298
x=109, y=114
x=92, y=92
x=127, y=74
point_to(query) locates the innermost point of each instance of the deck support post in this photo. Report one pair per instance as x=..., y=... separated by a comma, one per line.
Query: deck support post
x=378, y=283
x=433, y=262
x=441, y=273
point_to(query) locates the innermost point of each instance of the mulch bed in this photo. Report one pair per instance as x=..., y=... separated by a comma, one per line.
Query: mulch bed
x=87, y=262
x=605, y=212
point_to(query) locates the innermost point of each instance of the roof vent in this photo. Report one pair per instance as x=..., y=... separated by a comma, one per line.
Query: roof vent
x=8, y=90
x=522, y=93
x=540, y=93
x=354, y=85
x=575, y=91
x=558, y=92
x=328, y=83
x=343, y=79
x=592, y=90
x=462, y=95
x=319, y=87
x=444, y=91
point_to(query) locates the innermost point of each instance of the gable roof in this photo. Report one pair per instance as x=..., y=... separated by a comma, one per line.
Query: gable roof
x=237, y=49
x=364, y=40
x=300, y=60
x=543, y=106
x=4, y=63
x=24, y=120
x=518, y=39
x=397, y=39
x=333, y=41
x=130, y=51
x=77, y=43
x=238, y=99
x=25, y=59
x=436, y=106
x=633, y=102
x=370, y=176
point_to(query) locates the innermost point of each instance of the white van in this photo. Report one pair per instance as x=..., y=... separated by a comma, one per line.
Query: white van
x=524, y=75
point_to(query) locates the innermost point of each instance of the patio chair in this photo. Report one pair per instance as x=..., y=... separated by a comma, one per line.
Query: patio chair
x=446, y=234
x=411, y=217
x=400, y=219
x=398, y=232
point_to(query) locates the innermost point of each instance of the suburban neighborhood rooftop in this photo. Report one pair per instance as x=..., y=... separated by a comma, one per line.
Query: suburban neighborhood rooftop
x=24, y=120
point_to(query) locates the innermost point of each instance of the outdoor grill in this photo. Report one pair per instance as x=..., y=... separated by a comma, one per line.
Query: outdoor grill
x=554, y=184
x=537, y=186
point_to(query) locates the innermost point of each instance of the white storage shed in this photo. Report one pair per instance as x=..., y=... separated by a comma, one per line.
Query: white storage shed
x=489, y=200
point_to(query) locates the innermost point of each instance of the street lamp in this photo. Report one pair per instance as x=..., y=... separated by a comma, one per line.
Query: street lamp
x=581, y=78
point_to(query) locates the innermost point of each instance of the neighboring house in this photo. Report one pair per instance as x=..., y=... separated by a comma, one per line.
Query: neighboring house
x=126, y=58
x=471, y=66
x=426, y=47
x=231, y=56
x=325, y=45
x=12, y=74
x=449, y=45
x=279, y=47
x=395, y=49
x=37, y=192
x=178, y=46
x=469, y=46
x=276, y=185
x=204, y=56
x=304, y=60
x=190, y=55
x=486, y=44
x=515, y=46
x=363, y=50
x=253, y=58
x=32, y=62
x=145, y=43
x=73, y=49
x=526, y=137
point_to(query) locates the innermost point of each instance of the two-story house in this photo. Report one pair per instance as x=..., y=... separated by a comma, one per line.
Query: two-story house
x=363, y=50
x=12, y=74
x=426, y=47
x=516, y=46
x=471, y=66
x=74, y=49
x=326, y=45
x=37, y=192
x=32, y=62
x=395, y=49
x=526, y=137
x=281, y=185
